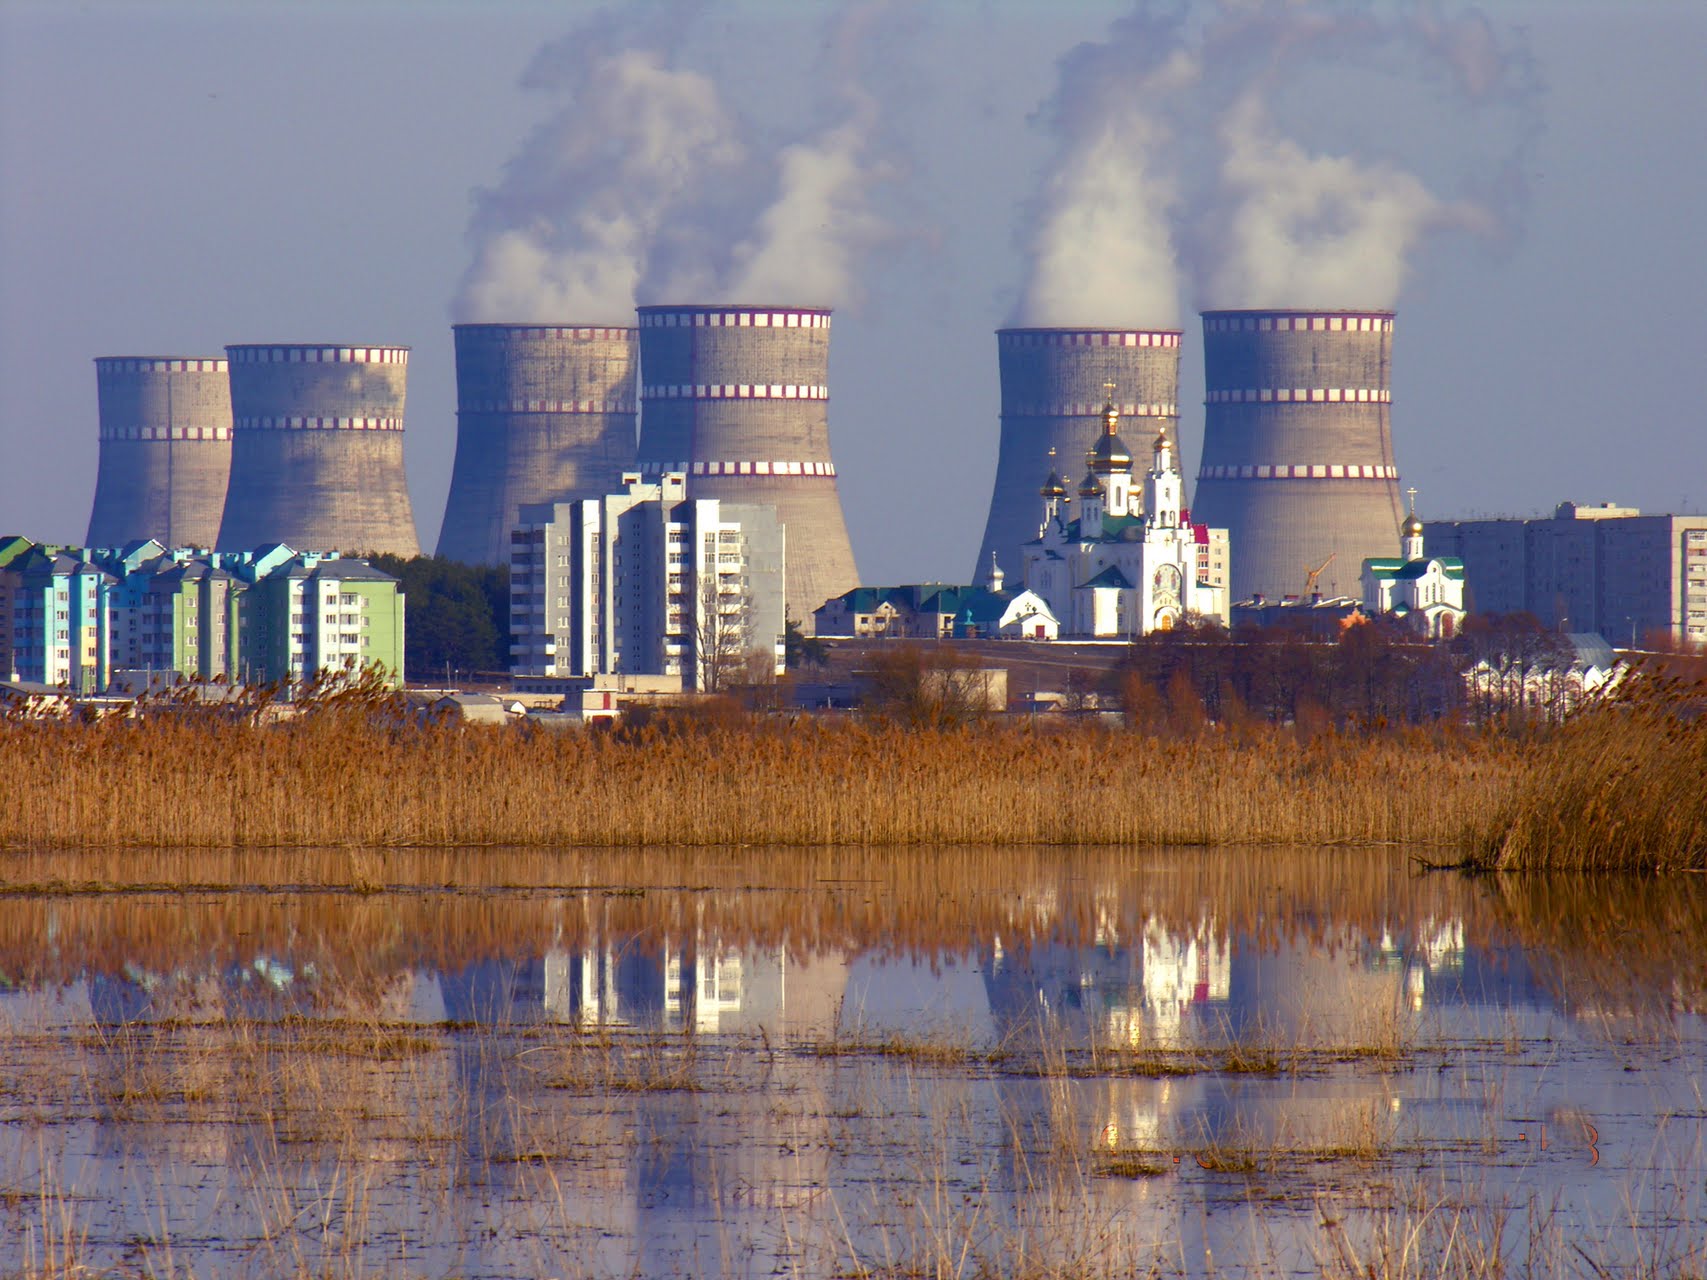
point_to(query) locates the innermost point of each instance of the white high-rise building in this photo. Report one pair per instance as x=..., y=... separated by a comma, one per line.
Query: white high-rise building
x=1132, y=562
x=647, y=581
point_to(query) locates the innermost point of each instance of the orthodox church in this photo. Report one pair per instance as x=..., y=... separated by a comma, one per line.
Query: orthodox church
x=1425, y=591
x=1132, y=561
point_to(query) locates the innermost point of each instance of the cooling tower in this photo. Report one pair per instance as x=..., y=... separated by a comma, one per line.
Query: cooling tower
x=1054, y=385
x=1297, y=449
x=165, y=450
x=738, y=398
x=544, y=413
x=317, y=450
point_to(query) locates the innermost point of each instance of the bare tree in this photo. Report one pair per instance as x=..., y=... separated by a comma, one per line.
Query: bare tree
x=719, y=634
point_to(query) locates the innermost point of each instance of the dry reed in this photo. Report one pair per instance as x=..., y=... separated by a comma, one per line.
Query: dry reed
x=1620, y=787
x=352, y=778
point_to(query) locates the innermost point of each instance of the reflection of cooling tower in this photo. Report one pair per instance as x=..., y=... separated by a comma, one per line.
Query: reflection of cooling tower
x=165, y=451
x=738, y=398
x=317, y=450
x=544, y=414
x=1297, y=450
x=1054, y=385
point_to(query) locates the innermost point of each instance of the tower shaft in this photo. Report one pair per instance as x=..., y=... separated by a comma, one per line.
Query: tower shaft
x=1297, y=445
x=1055, y=383
x=738, y=398
x=317, y=450
x=165, y=425
x=545, y=413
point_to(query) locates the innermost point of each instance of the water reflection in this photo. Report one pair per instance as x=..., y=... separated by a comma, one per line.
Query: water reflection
x=1103, y=1062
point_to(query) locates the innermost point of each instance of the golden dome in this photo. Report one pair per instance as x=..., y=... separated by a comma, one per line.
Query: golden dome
x=1052, y=487
x=1090, y=487
x=1412, y=528
x=1109, y=453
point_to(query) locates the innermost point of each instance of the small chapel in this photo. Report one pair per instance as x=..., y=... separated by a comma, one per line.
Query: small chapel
x=1425, y=592
x=1126, y=559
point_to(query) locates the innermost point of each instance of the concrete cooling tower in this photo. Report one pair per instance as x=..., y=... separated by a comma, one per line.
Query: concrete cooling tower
x=1054, y=385
x=544, y=413
x=738, y=398
x=317, y=450
x=165, y=450
x=1297, y=447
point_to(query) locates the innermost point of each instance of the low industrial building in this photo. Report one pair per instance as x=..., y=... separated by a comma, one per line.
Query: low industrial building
x=937, y=611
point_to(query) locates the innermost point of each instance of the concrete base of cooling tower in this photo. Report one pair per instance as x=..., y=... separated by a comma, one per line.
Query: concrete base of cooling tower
x=819, y=556
x=1022, y=465
x=505, y=460
x=170, y=490
x=319, y=491
x=1277, y=530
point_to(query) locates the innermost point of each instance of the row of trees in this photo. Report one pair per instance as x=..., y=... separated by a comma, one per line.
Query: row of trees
x=458, y=615
x=1378, y=673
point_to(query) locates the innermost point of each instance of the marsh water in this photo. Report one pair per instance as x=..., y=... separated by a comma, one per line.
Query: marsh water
x=842, y=1063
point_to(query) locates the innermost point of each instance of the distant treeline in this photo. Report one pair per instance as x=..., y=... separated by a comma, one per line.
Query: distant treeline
x=1375, y=674
x=457, y=616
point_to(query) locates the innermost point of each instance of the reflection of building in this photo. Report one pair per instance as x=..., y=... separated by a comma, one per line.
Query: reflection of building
x=652, y=983
x=1142, y=992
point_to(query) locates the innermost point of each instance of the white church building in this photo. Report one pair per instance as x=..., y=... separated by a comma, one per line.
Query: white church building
x=1132, y=562
x=1426, y=592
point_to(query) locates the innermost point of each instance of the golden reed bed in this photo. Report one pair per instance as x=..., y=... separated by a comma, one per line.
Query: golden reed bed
x=1623, y=785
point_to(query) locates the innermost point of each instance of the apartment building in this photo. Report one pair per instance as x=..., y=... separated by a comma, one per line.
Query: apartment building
x=648, y=581
x=1606, y=569
x=144, y=614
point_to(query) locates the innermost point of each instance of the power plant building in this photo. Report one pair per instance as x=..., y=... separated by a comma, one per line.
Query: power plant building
x=545, y=413
x=1297, y=460
x=165, y=431
x=1055, y=383
x=737, y=399
x=317, y=449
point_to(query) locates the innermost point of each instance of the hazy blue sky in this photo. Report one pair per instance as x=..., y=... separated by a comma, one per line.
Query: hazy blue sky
x=178, y=176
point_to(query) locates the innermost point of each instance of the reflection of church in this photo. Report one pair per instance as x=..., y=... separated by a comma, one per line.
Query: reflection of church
x=1113, y=992
x=1132, y=562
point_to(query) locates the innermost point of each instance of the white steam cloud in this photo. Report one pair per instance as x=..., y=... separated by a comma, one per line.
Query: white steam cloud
x=1175, y=159
x=1292, y=229
x=646, y=186
x=565, y=235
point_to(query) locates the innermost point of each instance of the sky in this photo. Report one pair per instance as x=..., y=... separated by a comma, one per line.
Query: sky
x=1524, y=182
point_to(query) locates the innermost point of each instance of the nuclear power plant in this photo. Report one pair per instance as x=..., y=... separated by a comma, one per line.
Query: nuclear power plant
x=317, y=449
x=165, y=427
x=1297, y=458
x=738, y=398
x=1055, y=383
x=545, y=413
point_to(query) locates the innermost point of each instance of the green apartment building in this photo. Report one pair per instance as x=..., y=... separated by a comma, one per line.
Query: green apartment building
x=145, y=616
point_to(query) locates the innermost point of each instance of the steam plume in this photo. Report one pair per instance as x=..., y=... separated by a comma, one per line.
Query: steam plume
x=646, y=186
x=565, y=234
x=1176, y=157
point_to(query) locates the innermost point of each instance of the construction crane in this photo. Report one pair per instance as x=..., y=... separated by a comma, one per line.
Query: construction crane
x=1312, y=575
